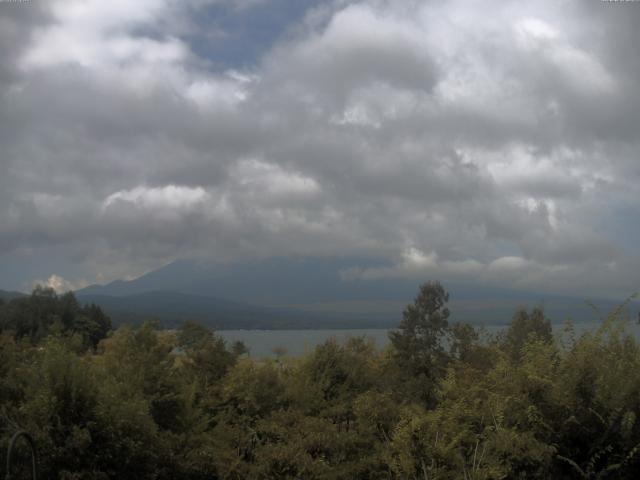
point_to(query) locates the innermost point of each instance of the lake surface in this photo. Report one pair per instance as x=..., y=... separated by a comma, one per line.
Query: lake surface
x=296, y=342
x=261, y=343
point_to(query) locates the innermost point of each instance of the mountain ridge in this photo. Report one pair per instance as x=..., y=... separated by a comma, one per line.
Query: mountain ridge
x=7, y=295
x=310, y=291
x=172, y=308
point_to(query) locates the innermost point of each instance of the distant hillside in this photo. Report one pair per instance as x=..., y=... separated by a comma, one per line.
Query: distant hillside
x=171, y=308
x=269, y=281
x=307, y=293
x=4, y=295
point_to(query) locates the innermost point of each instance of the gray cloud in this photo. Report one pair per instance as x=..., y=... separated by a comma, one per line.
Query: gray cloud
x=498, y=147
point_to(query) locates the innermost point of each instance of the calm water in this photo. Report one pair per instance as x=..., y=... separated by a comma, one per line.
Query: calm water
x=296, y=342
x=261, y=343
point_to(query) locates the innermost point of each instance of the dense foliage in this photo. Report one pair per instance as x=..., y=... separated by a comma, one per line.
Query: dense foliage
x=442, y=401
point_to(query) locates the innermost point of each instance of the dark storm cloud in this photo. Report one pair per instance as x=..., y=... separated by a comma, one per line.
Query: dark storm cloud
x=449, y=141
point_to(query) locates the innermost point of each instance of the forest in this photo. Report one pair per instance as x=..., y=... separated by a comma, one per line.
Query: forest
x=442, y=401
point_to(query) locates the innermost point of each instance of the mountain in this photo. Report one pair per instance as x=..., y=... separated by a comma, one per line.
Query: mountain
x=171, y=308
x=292, y=292
x=270, y=281
x=6, y=296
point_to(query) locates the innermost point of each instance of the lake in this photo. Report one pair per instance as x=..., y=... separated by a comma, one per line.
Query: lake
x=297, y=342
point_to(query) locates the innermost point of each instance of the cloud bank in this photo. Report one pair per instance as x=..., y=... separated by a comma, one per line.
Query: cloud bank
x=496, y=146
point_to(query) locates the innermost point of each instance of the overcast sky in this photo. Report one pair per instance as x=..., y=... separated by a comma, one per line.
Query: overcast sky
x=497, y=142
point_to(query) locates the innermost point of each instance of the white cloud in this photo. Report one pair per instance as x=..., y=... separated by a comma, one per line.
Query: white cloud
x=59, y=284
x=105, y=41
x=93, y=33
x=415, y=263
x=531, y=31
x=260, y=178
x=169, y=197
x=508, y=264
x=346, y=54
x=581, y=70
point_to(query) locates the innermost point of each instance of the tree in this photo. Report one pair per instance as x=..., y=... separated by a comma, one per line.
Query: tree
x=207, y=356
x=192, y=335
x=45, y=313
x=526, y=327
x=418, y=345
x=238, y=348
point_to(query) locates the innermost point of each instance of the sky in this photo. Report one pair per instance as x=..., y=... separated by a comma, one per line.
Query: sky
x=491, y=142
